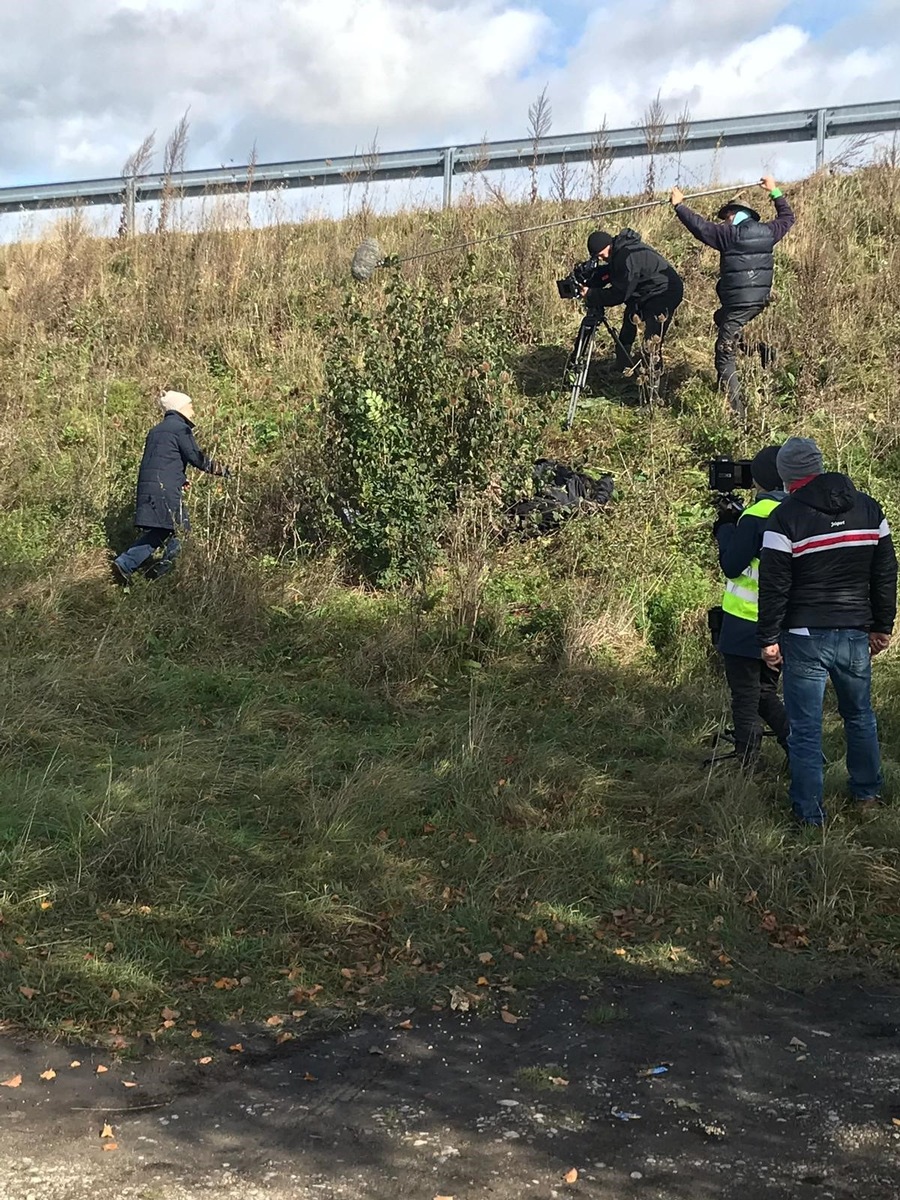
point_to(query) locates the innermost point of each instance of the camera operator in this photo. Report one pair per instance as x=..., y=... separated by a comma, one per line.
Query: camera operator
x=636, y=275
x=745, y=243
x=752, y=681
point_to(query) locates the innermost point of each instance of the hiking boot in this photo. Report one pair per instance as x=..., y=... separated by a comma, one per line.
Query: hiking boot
x=867, y=804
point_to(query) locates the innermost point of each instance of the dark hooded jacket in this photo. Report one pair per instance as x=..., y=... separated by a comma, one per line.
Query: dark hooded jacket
x=169, y=449
x=746, y=262
x=637, y=273
x=827, y=562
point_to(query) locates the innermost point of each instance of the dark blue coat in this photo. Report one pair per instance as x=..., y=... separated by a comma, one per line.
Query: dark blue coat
x=739, y=543
x=169, y=449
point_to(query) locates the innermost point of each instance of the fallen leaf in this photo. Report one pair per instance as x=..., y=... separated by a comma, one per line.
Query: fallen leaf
x=429, y=828
x=45, y=904
x=205, y=1060
x=558, y=1081
x=110, y=1146
x=482, y=982
x=796, y=1044
x=283, y=1037
x=115, y=995
x=404, y=1025
x=895, y=1120
x=308, y=1078
x=14, y=1081
x=170, y=1014
x=347, y=972
x=48, y=1074
x=196, y=1033
x=101, y=1070
x=571, y=1176
x=237, y=1048
x=168, y=1024
x=540, y=937
x=720, y=983
x=486, y=957
x=459, y=999
x=620, y=951
x=107, y=1132
x=225, y=984
x=73, y=1064
x=508, y=1017
x=129, y=1083
x=443, y=1198
x=274, y=1020
x=29, y=992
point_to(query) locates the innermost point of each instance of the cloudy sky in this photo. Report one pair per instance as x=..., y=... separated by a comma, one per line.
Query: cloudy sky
x=83, y=83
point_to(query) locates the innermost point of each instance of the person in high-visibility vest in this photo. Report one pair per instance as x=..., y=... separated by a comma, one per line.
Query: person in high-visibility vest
x=753, y=683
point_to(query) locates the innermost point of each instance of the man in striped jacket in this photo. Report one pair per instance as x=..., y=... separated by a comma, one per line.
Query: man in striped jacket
x=827, y=602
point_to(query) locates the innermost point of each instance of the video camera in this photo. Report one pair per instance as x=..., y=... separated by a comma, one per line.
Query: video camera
x=583, y=274
x=725, y=476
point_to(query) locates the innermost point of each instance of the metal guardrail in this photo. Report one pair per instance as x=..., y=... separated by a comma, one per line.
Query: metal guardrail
x=444, y=162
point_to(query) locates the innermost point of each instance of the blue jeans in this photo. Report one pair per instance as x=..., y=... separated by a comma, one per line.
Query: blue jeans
x=843, y=655
x=138, y=556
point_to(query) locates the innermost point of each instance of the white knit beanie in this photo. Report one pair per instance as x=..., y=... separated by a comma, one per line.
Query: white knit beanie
x=175, y=402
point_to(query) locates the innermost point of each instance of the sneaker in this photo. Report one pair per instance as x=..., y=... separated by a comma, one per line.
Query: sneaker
x=120, y=576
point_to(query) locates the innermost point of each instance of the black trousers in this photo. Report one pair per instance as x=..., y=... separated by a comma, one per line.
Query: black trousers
x=754, y=694
x=656, y=315
x=730, y=323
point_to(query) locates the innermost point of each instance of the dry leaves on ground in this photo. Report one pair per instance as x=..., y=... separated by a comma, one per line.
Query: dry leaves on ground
x=13, y=1082
x=571, y=1176
x=48, y=1074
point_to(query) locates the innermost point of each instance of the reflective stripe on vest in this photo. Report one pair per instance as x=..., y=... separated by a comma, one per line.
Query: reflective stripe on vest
x=741, y=597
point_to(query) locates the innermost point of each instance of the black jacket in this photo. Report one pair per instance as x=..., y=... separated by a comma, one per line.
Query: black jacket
x=828, y=562
x=746, y=261
x=637, y=273
x=169, y=449
x=739, y=543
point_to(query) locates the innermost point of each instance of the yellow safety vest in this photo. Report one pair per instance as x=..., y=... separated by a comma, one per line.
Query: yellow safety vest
x=741, y=597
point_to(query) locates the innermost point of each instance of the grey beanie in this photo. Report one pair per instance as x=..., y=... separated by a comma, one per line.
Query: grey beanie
x=798, y=458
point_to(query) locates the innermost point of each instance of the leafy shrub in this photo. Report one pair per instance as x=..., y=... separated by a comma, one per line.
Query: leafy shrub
x=420, y=412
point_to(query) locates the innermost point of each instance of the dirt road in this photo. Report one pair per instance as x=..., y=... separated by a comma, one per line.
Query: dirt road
x=763, y=1097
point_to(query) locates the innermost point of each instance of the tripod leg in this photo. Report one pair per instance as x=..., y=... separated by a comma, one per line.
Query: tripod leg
x=616, y=341
x=582, y=365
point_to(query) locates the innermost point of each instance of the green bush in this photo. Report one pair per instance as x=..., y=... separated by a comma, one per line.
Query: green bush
x=420, y=413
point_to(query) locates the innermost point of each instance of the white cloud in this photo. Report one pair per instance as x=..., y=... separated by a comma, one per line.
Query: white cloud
x=84, y=83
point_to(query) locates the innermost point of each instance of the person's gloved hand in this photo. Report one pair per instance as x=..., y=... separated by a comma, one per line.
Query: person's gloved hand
x=728, y=514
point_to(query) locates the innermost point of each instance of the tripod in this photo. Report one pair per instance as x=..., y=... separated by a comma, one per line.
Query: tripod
x=580, y=360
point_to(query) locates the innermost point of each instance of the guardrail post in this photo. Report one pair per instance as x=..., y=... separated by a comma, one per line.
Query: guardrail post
x=129, y=199
x=449, y=158
x=820, y=139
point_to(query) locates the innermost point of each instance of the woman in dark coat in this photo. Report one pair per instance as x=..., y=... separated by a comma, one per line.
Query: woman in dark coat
x=160, y=513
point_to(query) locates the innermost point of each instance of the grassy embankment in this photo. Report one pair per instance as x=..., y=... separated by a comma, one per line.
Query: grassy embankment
x=265, y=775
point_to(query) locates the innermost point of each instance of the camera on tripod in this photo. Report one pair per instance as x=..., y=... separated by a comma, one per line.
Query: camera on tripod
x=583, y=274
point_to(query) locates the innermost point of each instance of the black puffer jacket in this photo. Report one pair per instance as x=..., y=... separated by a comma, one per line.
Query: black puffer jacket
x=827, y=562
x=637, y=273
x=746, y=260
x=747, y=267
x=169, y=449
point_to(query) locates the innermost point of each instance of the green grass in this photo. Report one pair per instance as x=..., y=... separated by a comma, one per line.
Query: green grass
x=320, y=796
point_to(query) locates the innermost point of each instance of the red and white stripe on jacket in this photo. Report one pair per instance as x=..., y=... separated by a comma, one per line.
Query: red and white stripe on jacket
x=825, y=541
